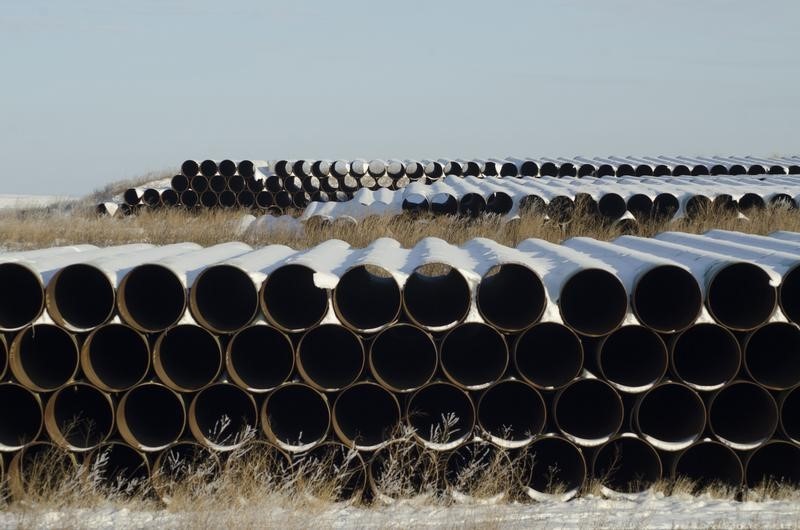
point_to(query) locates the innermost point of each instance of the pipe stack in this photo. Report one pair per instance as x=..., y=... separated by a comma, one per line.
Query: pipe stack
x=626, y=361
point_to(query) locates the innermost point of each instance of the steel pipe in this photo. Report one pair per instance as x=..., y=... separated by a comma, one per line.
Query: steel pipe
x=43, y=357
x=626, y=464
x=403, y=358
x=187, y=357
x=222, y=416
x=365, y=416
x=588, y=412
x=511, y=413
x=291, y=300
x=22, y=418
x=442, y=416
x=705, y=356
x=449, y=289
x=473, y=355
x=295, y=417
x=21, y=296
x=790, y=414
x=39, y=468
x=478, y=471
x=259, y=358
x=190, y=168
x=115, y=357
x=552, y=469
x=670, y=416
x=246, y=168
x=79, y=417
x=511, y=297
x=743, y=415
x=223, y=298
x=776, y=463
x=330, y=357
x=150, y=417
x=548, y=355
x=402, y=470
x=333, y=472
x=120, y=468
x=367, y=298
x=180, y=183
x=772, y=355
x=183, y=466
x=208, y=168
x=709, y=463
x=189, y=198
x=632, y=358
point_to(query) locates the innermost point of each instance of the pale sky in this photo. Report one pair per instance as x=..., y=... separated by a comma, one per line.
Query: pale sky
x=98, y=90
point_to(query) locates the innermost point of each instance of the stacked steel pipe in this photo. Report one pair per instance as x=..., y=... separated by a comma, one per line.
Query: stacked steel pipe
x=626, y=361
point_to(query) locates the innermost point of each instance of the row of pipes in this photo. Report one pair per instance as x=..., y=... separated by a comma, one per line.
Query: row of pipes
x=677, y=355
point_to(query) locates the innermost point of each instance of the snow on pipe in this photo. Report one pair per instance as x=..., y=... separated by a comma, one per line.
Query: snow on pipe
x=473, y=355
x=548, y=355
x=775, y=463
x=553, y=469
x=43, y=357
x=25, y=469
x=436, y=297
x=151, y=416
x=477, y=471
x=632, y=358
x=442, y=416
x=222, y=415
x=295, y=417
x=511, y=413
x=708, y=463
x=705, y=356
x=337, y=469
x=187, y=357
x=403, y=358
x=22, y=418
x=79, y=417
x=182, y=462
x=330, y=357
x=743, y=415
x=770, y=355
x=259, y=358
x=511, y=297
x=366, y=415
x=626, y=464
x=117, y=463
x=115, y=357
x=291, y=300
x=588, y=412
x=670, y=416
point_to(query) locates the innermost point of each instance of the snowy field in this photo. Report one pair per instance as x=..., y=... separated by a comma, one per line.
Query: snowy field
x=10, y=201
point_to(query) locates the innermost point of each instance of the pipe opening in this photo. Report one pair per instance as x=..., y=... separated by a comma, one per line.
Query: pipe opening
x=561, y=209
x=553, y=466
x=222, y=416
x=776, y=170
x=772, y=355
x=776, y=463
x=625, y=170
x=790, y=414
x=115, y=357
x=151, y=297
x=436, y=296
x=44, y=357
x=366, y=415
x=507, y=169
x=21, y=421
x=21, y=296
x=264, y=199
x=217, y=183
x=187, y=357
x=478, y=470
x=227, y=199
x=489, y=169
x=587, y=170
x=671, y=416
x=611, y=206
x=236, y=184
x=548, y=355
x=259, y=358
x=756, y=169
x=532, y=205
x=474, y=355
x=415, y=204
x=588, y=411
x=401, y=470
x=291, y=300
x=708, y=464
x=681, y=171
x=697, y=206
x=179, y=183
x=403, y=358
x=283, y=199
x=512, y=413
x=151, y=416
x=548, y=169
x=606, y=170
x=169, y=198
x=593, y=302
x=667, y=298
x=662, y=170
x=633, y=358
x=190, y=168
x=330, y=357
x=472, y=205
x=665, y=206
x=644, y=170
x=151, y=197
x=751, y=201
x=627, y=465
x=131, y=196
x=743, y=415
x=367, y=298
x=499, y=203
x=189, y=198
x=224, y=298
x=227, y=168
x=181, y=463
x=199, y=184
x=246, y=199
x=718, y=169
x=782, y=201
x=444, y=204
x=442, y=415
x=640, y=206
x=79, y=417
x=740, y=296
x=706, y=356
x=511, y=297
x=332, y=472
x=296, y=417
x=38, y=467
x=81, y=297
x=246, y=168
x=119, y=468
x=529, y=168
x=699, y=170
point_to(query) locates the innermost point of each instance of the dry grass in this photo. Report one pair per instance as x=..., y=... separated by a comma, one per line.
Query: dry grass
x=27, y=229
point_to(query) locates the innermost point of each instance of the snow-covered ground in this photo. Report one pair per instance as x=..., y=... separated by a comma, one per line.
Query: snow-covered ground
x=11, y=201
x=586, y=513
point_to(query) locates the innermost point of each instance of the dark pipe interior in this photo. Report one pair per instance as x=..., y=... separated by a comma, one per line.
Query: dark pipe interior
x=151, y=197
x=750, y=201
x=131, y=196
x=697, y=206
x=48, y=355
x=154, y=415
x=180, y=183
x=264, y=199
x=274, y=183
x=474, y=354
x=718, y=169
x=217, y=183
x=331, y=356
x=552, y=464
x=699, y=170
x=472, y=466
x=644, y=170
x=665, y=206
x=777, y=170
x=293, y=184
x=507, y=169
x=560, y=209
x=740, y=296
x=671, y=413
x=529, y=168
x=611, y=206
x=743, y=413
x=681, y=171
x=709, y=463
x=225, y=298
x=588, y=409
x=367, y=297
x=119, y=467
x=511, y=297
x=416, y=206
x=667, y=298
x=21, y=296
x=567, y=170
x=772, y=355
x=640, y=205
x=366, y=414
x=38, y=456
x=261, y=356
x=246, y=168
x=532, y=204
x=199, y=183
x=783, y=200
x=209, y=199
x=190, y=168
x=775, y=463
x=490, y=169
x=297, y=415
x=626, y=170
x=444, y=204
x=224, y=413
x=208, y=168
x=301, y=199
x=790, y=414
x=627, y=465
x=83, y=414
x=283, y=199
x=548, y=169
x=756, y=169
x=335, y=468
x=499, y=203
x=512, y=410
x=548, y=355
x=169, y=197
x=22, y=415
x=236, y=184
x=227, y=199
x=430, y=405
x=246, y=199
x=403, y=357
x=724, y=203
x=189, y=356
x=436, y=300
x=83, y=296
x=152, y=297
x=186, y=461
x=291, y=299
x=633, y=356
x=706, y=355
x=189, y=198
x=737, y=169
x=473, y=169
x=605, y=170
x=227, y=168
x=402, y=469
x=593, y=302
x=119, y=356
x=587, y=170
